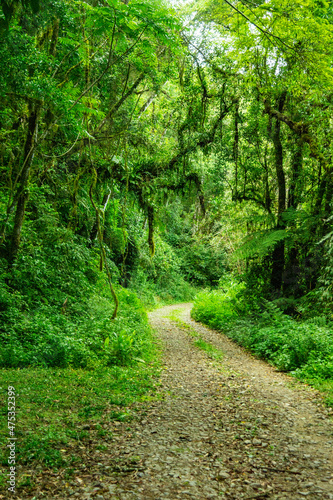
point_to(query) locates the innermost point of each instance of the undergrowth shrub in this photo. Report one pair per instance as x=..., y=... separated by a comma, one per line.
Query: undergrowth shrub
x=47, y=338
x=316, y=369
x=217, y=307
x=56, y=309
x=201, y=263
x=303, y=347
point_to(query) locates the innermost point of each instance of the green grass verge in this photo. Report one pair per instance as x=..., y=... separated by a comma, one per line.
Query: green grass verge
x=60, y=410
x=211, y=351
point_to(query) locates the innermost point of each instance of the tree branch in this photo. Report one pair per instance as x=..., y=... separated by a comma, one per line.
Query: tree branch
x=266, y=33
x=299, y=128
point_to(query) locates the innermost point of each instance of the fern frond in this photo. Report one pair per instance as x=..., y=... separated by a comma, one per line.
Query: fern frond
x=259, y=244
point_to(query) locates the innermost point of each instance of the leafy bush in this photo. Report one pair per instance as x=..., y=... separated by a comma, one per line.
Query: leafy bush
x=304, y=347
x=56, y=309
x=316, y=369
x=201, y=263
x=47, y=338
x=217, y=307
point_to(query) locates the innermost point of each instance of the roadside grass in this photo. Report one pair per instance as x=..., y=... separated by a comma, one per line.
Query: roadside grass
x=324, y=386
x=174, y=315
x=63, y=406
x=211, y=351
x=60, y=410
x=302, y=348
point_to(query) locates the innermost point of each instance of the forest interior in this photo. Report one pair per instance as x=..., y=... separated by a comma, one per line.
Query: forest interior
x=164, y=166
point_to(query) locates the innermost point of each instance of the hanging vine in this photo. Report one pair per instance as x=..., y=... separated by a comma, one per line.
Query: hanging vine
x=151, y=242
x=100, y=240
x=124, y=205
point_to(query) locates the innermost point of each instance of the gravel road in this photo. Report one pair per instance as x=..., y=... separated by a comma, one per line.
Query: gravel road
x=234, y=428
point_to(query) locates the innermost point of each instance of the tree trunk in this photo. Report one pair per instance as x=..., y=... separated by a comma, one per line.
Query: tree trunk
x=292, y=268
x=150, y=211
x=236, y=147
x=329, y=194
x=323, y=204
x=278, y=257
x=296, y=168
x=22, y=190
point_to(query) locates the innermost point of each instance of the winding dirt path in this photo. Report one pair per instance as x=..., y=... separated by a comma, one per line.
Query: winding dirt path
x=233, y=429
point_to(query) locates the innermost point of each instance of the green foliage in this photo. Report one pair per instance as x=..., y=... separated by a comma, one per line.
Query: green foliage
x=160, y=280
x=49, y=338
x=56, y=311
x=259, y=244
x=321, y=369
x=10, y=6
x=304, y=348
x=324, y=293
x=156, y=294
x=202, y=264
x=211, y=351
x=217, y=306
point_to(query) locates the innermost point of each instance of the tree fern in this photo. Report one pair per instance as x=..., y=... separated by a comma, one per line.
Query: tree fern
x=259, y=244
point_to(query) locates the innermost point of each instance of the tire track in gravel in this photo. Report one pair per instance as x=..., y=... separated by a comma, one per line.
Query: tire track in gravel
x=233, y=429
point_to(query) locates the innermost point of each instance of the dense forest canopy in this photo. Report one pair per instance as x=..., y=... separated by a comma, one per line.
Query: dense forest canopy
x=155, y=147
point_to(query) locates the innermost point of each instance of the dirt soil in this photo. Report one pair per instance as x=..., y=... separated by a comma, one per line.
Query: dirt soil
x=234, y=429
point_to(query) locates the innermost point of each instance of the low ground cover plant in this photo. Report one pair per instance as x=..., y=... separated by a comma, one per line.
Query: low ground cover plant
x=60, y=410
